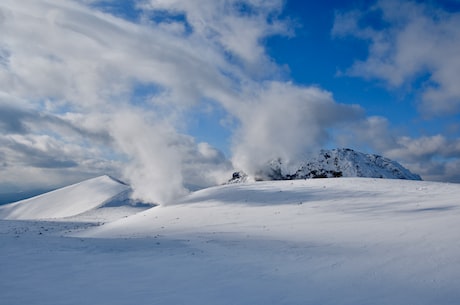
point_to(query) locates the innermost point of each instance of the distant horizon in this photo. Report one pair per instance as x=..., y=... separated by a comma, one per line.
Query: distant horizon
x=11, y=197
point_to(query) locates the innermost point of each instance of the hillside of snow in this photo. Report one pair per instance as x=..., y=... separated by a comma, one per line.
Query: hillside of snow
x=66, y=202
x=334, y=163
x=317, y=241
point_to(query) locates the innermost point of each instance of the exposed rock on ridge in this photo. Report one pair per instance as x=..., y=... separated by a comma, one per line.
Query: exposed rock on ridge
x=334, y=163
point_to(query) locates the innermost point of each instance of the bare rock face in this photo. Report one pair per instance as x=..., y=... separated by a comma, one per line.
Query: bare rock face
x=238, y=177
x=334, y=163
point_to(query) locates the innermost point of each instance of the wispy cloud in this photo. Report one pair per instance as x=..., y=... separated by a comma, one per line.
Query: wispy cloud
x=77, y=69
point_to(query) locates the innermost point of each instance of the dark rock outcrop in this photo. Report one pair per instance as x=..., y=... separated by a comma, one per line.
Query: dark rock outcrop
x=334, y=163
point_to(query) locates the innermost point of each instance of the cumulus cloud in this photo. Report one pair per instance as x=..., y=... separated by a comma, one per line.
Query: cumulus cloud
x=409, y=42
x=282, y=120
x=412, y=46
x=433, y=157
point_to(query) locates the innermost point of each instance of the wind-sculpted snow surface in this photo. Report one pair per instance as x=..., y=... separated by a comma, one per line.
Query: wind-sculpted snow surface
x=65, y=202
x=354, y=241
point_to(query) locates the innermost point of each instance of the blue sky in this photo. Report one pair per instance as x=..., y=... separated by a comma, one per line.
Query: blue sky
x=315, y=56
x=192, y=90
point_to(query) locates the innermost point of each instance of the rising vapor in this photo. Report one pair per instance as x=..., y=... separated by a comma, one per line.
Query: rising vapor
x=126, y=88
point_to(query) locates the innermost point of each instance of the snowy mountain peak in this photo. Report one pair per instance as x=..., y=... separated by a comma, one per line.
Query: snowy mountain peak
x=342, y=162
x=67, y=201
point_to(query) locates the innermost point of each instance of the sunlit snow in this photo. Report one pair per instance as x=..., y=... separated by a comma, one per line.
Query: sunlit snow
x=321, y=241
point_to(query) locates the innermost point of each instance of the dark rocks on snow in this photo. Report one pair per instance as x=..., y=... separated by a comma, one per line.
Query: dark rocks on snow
x=333, y=163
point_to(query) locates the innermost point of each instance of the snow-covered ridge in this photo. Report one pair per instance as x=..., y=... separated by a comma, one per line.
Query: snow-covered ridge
x=67, y=201
x=334, y=163
x=369, y=241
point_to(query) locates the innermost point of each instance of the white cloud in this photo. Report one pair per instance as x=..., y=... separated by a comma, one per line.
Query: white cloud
x=416, y=41
x=413, y=46
x=281, y=120
x=236, y=26
x=433, y=157
x=76, y=71
x=41, y=161
x=66, y=51
x=70, y=78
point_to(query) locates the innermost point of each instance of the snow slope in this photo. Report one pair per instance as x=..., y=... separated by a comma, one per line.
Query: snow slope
x=65, y=202
x=321, y=241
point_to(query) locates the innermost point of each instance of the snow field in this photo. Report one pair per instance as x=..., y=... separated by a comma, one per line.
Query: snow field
x=325, y=241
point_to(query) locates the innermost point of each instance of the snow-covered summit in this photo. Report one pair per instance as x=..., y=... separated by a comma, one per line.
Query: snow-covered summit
x=67, y=201
x=343, y=162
